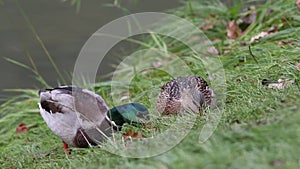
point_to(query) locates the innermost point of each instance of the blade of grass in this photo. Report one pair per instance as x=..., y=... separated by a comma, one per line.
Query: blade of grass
x=40, y=41
x=38, y=77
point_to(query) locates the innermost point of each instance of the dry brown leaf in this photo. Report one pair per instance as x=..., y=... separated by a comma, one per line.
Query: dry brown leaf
x=277, y=163
x=21, y=128
x=233, y=30
x=298, y=65
x=159, y=64
x=298, y=4
x=212, y=50
x=194, y=38
x=206, y=27
x=43, y=155
x=249, y=16
x=282, y=83
x=207, y=24
x=285, y=42
x=259, y=36
x=272, y=30
x=132, y=134
x=124, y=98
x=269, y=11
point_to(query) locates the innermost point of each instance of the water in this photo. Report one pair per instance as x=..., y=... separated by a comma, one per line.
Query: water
x=63, y=32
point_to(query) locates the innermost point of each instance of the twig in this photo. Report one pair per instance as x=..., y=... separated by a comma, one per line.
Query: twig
x=253, y=56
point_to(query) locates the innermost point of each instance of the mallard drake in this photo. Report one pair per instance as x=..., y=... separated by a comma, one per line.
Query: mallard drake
x=191, y=92
x=131, y=113
x=81, y=118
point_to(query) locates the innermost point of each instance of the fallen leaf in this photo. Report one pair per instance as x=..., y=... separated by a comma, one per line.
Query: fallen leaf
x=277, y=163
x=207, y=25
x=272, y=30
x=269, y=11
x=243, y=44
x=298, y=65
x=194, y=38
x=281, y=84
x=248, y=17
x=21, y=128
x=298, y=4
x=43, y=155
x=159, y=64
x=131, y=134
x=285, y=42
x=29, y=140
x=283, y=59
x=212, y=50
x=285, y=101
x=124, y=98
x=275, y=85
x=287, y=19
x=259, y=36
x=232, y=29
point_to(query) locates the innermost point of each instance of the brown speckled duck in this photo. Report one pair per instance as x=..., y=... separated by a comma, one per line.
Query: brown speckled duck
x=191, y=92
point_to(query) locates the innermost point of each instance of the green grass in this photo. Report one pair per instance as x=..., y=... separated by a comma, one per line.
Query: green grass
x=260, y=126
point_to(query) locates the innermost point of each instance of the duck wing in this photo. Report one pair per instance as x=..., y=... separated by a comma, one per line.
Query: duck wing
x=90, y=107
x=75, y=115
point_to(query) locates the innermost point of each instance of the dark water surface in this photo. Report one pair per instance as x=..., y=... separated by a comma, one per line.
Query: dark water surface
x=63, y=32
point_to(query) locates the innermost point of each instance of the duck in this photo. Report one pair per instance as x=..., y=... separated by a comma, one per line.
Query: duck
x=190, y=93
x=81, y=118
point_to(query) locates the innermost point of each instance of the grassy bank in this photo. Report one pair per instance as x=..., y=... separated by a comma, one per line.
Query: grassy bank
x=260, y=126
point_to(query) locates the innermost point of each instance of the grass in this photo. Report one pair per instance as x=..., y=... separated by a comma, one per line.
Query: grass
x=260, y=126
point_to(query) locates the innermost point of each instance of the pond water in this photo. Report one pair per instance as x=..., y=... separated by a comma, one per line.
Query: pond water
x=63, y=31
